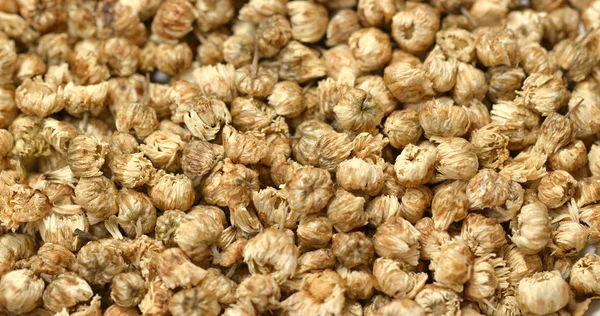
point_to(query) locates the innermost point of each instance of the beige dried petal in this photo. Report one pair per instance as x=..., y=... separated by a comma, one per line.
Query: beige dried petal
x=309, y=190
x=99, y=261
x=341, y=25
x=172, y=191
x=453, y=264
x=20, y=291
x=441, y=70
x=299, y=63
x=360, y=176
x=415, y=165
x=414, y=28
x=308, y=21
x=66, y=291
x=397, y=239
x=440, y=117
x=483, y=235
x=272, y=252
x=407, y=83
x=371, y=47
x=438, y=300
x=314, y=231
x=265, y=298
x=450, y=204
x=394, y=281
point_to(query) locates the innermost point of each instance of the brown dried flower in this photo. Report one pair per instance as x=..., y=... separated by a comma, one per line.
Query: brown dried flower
x=394, y=281
x=414, y=28
x=397, y=239
x=341, y=25
x=272, y=252
x=21, y=291
x=371, y=47
x=407, y=83
x=440, y=117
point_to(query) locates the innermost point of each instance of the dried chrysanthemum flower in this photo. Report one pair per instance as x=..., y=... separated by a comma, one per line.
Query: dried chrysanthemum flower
x=231, y=185
x=527, y=25
x=489, y=12
x=402, y=128
x=66, y=291
x=456, y=158
x=82, y=99
x=314, y=232
x=437, y=300
x=245, y=148
x=308, y=21
x=583, y=107
x=120, y=55
x=309, y=190
x=54, y=48
x=415, y=201
x=441, y=70
x=299, y=63
x=457, y=43
x=195, y=301
x=136, y=118
x=489, y=275
x=173, y=20
x=99, y=261
x=176, y=270
x=371, y=47
x=487, y=189
x=440, y=117
x=572, y=57
x=256, y=10
x=255, y=80
x=211, y=50
x=415, y=165
x=535, y=59
x=352, y=249
x=397, y=239
x=543, y=293
x=272, y=252
x=360, y=176
x=414, y=28
x=346, y=211
x=212, y=14
x=28, y=142
x=452, y=266
x=273, y=34
x=287, y=99
x=131, y=170
x=199, y=157
x=490, y=146
x=22, y=204
x=20, y=291
x=544, y=93
x=375, y=86
x=58, y=134
x=156, y=299
x=407, y=83
x=166, y=225
x=250, y=114
x=58, y=229
x=376, y=13
x=396, y=282
x=137, y=214
x=173, y=59
x=262, y=291
x=195, y=235
x=470, y=84
x=569, y=236
x=483, y=235
x=584, y=274
x=162, y=147
x=172, y=191
x=319, y=293
x=36, y=97
x=360, y=283
x=272, y=208
x=98, y=196
x=504, y=81
x=556, y=188
x=569, y=158
x=531, y=228
x=214, y=81
x=332, y=149
x=85, y=64
x=341, y=25
x=7, y=259
x=520, y=264
x=358, y=111
x=28, y=66
x=238, y=50
x=497, y=47
x=85, y=156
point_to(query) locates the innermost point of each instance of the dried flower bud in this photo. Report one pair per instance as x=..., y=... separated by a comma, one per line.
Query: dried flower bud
x=251, y=114
x=256, y=10
x=402, y=128
x=394, y=281
x=562, y=23
x=544, y=93
x=504, y=81
x=535, y=59
x=120, y=55
x=211, y=50
x=346, y=211
x=572, y=57
x=358, y=175
x=263, y=300
x=36, y=97
x=194, y=301
x=212, y=14
x=7, y=259
x=414, y=28
x=156, y=299
x=532, y=293
x=99, y=261
x=272, y=34
x=173, y=59
x=440, y=117
x=21, y=291
x=309, y=190
x=569, y=158
x=584, y=275
x=556, y=188
x=314, y=232
x=431, y=239
x=407, y=83
x=489, y=275
x=590, y=16
x=371, y=47
x=308, y=21
x=28, y=66
x=517, y=122
x=457, y=43
x=136, y=118
x=376, y=13
x=82, y=99
x=470, y=84
x=456, y=158
x=352, y=249
x=238, y=50
x=450, y=204
x=162, y=148
x=441, y=70
x=453, y=265
x=195, y=235
x=489, y=12
x=397, y=239
x=358, y=111
x=415, y=201
x=176, y=270
x=273, y=253
x=57, y=133
x=173, y=20
x=172, y=191
x=85, y=156
x=360, y=283
x=341, y=25
x=415, y=165
x=287, y=99
x=332, y=149
x=487, y=189
x=299, y=63
x=436, y=299
x=483, y=235
x=85, y=64
x=199, y=157
x=66, y=291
